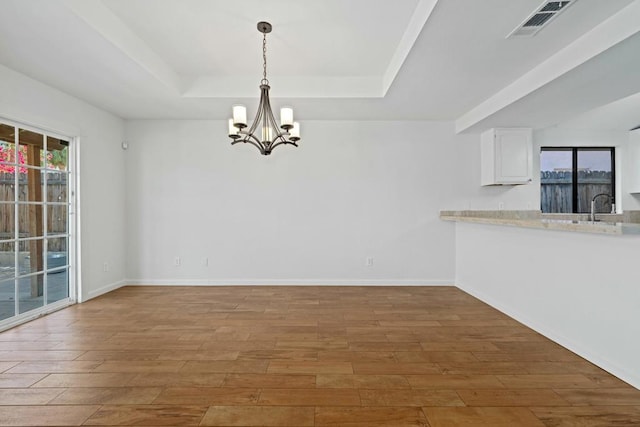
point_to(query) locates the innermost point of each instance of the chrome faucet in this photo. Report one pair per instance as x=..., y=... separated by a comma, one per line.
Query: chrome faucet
x=593, y=205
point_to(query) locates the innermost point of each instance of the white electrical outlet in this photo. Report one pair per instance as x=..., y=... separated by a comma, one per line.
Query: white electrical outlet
x=369, y=261
x=105, y=267
x=206, y=262
x=501, y=206
x=177, y=261
x=528, y=206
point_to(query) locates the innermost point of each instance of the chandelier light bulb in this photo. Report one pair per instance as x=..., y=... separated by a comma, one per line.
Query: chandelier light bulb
x=267, y=134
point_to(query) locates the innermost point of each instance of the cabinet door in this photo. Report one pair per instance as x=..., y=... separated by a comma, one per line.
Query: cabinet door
x=513, y=151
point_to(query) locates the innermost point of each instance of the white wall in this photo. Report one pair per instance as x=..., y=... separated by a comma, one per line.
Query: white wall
x=302, y=215
x=581, y=290
x=468, y=194
x=102, y=169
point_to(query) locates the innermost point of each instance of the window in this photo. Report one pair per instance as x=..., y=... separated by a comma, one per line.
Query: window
x=571, y=176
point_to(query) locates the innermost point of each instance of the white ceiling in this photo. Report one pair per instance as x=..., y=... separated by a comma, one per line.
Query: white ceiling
x=335, y=59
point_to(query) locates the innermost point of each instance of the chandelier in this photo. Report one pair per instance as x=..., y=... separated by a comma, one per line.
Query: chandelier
x=264, y=132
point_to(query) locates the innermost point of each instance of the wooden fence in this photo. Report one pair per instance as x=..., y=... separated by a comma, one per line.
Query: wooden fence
x=556, y=191
x=56, y=214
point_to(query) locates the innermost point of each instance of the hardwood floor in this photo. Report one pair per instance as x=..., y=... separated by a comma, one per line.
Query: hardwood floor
x=298, y=356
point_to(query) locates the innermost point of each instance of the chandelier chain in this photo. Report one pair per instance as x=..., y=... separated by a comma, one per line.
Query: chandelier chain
x=264, y=59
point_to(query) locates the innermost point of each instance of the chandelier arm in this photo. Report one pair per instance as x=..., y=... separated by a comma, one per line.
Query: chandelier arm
x=255, y=141
x=260, y=113
x=270, y=118
x=256, y=122
x=286, y=141
x=248, y=141
x=249, y=137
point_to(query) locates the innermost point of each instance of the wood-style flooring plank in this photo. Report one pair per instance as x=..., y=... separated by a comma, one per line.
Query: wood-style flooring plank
x=28, y=396
x=385, y=382
x=513, y=397
x=22, y=355
x=280, y=416
x=225, y=366
x=45, y=415
x=209, y=396
x=403, y=398
x=310, y=397
x=386, y=368
x=600, y=397
x=140, y=366
x=177, y=379
x=64, y=366
x=161, y=415
x=589, y=416
x=482, y=417
x=102, y=355
x=370, y=417
x=269, y=381
x=28, y=345
x=107, y=396
x=454, y=382
x=19, y=380
x=309, y=367
x=555, y=381
x=4, y=366
x=85, y=380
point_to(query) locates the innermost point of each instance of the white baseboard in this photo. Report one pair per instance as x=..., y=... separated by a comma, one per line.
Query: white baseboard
x=288, y=282
x=104, y=289
x=630, y=377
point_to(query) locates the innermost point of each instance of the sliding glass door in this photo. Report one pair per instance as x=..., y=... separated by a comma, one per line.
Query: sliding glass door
x=36, y=246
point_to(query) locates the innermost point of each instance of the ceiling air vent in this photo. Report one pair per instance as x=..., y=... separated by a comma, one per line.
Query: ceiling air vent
x=540, y=18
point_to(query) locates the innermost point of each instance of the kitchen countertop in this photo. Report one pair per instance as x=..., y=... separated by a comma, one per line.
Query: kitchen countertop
x=534, y=219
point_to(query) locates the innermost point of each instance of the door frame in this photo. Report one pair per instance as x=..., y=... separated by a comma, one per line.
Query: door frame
x=73, y=227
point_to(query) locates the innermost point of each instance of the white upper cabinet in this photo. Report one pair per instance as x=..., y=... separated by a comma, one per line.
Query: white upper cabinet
x=506, y=156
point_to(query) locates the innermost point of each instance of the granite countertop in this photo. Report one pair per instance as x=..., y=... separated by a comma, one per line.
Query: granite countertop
x=534, y=219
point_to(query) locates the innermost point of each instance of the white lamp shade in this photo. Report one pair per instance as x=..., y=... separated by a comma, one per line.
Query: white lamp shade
x=286, y=116
x=239, y=115
x=232, y=129
x=294, y=132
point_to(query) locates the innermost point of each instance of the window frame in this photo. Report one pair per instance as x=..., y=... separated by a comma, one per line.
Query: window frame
x=574, y=170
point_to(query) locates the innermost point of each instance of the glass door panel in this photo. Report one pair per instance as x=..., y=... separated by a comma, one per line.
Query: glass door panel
x=56, y=219
x=7, y=298
x=30, y=293
x=57, y=285
x=7, y=260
